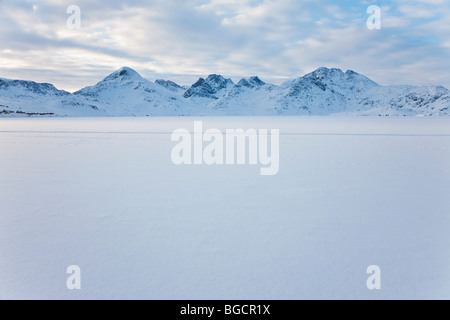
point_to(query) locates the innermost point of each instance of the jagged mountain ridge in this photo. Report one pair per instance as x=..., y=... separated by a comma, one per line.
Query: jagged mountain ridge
x=213, y=87
x=322, y=92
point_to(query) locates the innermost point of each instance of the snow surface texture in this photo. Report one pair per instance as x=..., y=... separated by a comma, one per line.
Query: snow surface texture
x=322, y=92
x=103, y=194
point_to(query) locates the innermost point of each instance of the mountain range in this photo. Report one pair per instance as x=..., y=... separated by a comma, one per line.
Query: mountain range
x=322, y=92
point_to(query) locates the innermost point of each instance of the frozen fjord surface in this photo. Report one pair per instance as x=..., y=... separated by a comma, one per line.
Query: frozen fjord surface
x=104, y=195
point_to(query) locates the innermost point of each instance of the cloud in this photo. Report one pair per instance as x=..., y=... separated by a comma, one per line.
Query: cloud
x=181, y=40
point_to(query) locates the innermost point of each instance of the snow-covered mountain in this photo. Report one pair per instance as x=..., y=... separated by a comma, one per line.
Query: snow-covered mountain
x=126, y=93
x=250, y=96
x=322, y=92
x=331, y=91
x=28, y=88
x=26, y=98
x=213, y=87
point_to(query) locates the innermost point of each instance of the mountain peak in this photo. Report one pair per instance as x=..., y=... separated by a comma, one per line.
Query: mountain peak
x=209, y=87
x=215, y=77
x=327, y=78
x=251, y=82
x=218, y=82
x=324, y=72
x=124, y=73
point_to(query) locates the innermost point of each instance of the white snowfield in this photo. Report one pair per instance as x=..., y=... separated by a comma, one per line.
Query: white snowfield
x=103, y=194
x=126, y=93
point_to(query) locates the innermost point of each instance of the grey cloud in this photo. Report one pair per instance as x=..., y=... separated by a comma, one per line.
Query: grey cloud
x=181, y=40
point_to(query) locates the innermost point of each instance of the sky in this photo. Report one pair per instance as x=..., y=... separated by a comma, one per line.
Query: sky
x=179, y=40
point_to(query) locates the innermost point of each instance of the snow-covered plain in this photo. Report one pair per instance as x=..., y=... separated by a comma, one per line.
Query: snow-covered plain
x=103, y=194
